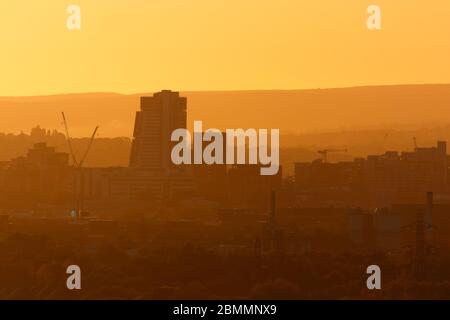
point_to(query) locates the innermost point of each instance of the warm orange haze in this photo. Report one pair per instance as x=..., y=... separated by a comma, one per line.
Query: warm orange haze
x=134, y=152
x=219, y=45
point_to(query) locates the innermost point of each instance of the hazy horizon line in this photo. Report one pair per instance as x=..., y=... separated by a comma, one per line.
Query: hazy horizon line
x=220, y=90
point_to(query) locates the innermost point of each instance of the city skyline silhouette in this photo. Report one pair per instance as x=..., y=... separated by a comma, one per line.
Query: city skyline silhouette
x=245, y=152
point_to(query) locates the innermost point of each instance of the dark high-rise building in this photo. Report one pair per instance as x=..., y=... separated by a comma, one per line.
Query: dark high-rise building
x=159, y=116
x=152, y=172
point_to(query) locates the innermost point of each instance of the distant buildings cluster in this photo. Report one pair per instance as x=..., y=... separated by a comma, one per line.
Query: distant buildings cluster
x=375, y=181
x=41, y=176
x=44, y=176
x=151, y=177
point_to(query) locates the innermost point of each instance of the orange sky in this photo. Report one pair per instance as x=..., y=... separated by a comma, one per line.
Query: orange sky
x=132, y=46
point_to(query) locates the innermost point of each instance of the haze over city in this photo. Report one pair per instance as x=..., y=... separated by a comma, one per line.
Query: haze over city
x=94, y=204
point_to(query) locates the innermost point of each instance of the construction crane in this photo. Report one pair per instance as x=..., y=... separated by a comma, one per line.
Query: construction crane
x=78, y=165
x=325, y=152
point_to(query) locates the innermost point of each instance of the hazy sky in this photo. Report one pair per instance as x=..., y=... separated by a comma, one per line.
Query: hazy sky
x=131, y=46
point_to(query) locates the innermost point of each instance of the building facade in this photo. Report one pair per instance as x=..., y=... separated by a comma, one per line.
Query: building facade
x=159, y=116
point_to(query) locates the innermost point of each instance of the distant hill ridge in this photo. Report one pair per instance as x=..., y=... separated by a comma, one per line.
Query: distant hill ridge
x=293, y=111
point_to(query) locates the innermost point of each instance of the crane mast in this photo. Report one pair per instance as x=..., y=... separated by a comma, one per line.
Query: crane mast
x=78, y=165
